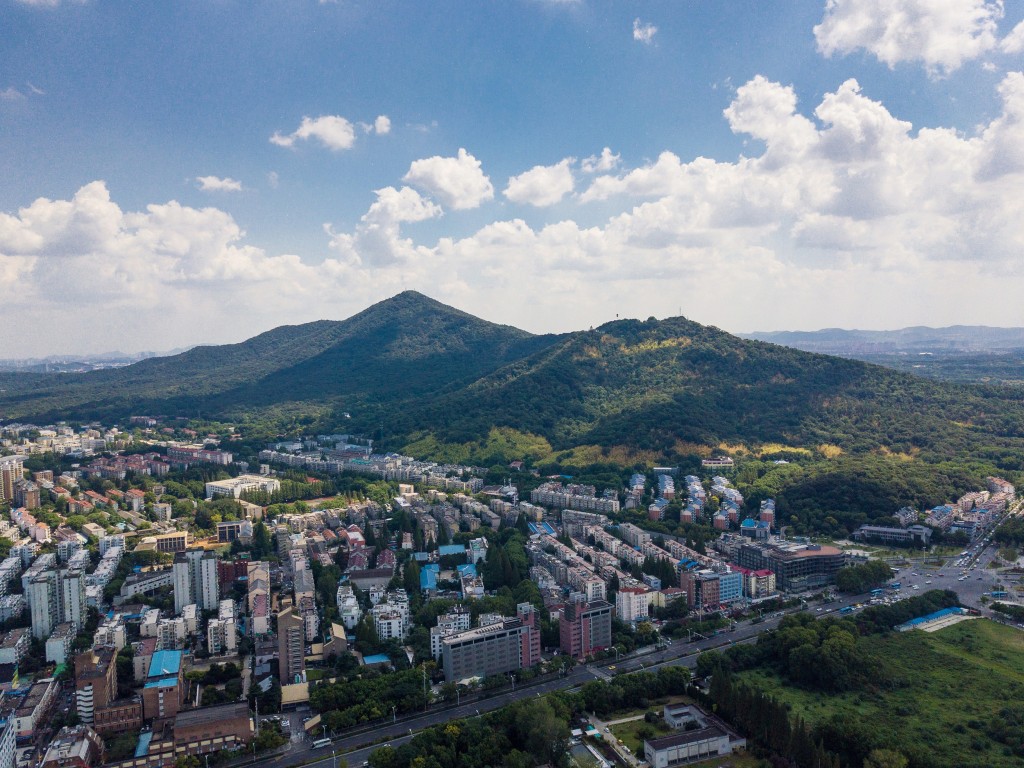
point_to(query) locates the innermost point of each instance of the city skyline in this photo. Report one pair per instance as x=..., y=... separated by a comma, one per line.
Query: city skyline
x=200, y=173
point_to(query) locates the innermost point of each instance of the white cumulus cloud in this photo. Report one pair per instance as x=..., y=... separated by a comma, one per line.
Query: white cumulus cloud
x=1014, y=42
x=377, y=240
x=644, y=33
x=333, y=131
x=941, y=34
x=217, y=184
x=606, y=161
x=835, y=206
x=542, y=185
x=382, y=125
x=458, y=182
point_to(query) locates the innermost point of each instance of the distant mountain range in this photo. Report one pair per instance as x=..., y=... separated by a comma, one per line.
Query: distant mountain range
x=959, y=353
x=955, y=339
x=411, y=369
x=79, y=363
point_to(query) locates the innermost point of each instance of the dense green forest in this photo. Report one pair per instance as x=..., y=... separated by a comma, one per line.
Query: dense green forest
x=861, y=440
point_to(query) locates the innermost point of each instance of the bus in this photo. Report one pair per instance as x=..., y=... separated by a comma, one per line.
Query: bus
x=877, y=592
x=895, y=585
x=321, y=743
x=997, y=593
x=846, y=609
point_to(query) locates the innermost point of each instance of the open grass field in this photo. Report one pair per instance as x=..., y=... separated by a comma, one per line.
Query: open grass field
x=633, y=733
x=948, y=699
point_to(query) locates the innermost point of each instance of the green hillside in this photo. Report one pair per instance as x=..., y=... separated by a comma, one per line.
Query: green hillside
x=413, y=369
x=664, y=385
x=409, y=346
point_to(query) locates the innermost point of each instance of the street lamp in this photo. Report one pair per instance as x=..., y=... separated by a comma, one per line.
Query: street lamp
x=333, y=765
x=394, y=715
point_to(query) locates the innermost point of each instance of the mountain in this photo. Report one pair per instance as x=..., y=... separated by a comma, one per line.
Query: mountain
x=413, y=369
x=409, y=345
x=663, y=385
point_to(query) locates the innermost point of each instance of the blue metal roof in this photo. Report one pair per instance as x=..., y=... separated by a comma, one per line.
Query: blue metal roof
x=142, y=748
x=161, y=682
x=165, y=663
x=451, y=549
x=428, y=579
x=468, y=569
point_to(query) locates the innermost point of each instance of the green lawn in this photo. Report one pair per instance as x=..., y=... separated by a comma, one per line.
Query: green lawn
x=950, y=686
x=629, y=732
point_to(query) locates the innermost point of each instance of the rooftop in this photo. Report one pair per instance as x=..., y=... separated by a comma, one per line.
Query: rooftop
x=165, y=663
x=192, y=717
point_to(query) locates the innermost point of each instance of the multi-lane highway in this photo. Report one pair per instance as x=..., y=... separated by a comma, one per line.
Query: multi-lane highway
x=356, y=748
x=969, y=579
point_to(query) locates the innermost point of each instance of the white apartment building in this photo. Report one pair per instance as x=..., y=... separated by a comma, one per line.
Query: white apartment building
x=196, y=580
x=391, y=616
x=221, y=636
x=348, y=607
x=234, y=487
x=631, y=604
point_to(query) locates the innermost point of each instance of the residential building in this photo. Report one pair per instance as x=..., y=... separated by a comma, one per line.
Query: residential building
x=74, y=747
x=456, y=620
x=391, y=616
x=164, y=689
x=496, y=649
x=95, y=681
x=631, y=603
x=236, y=486
x=35, y=708
x=348, y=607
x=577, y=497
x=58, y=644
x=585, y=628
x=196, y=580
x=12, y=469
x=14, y=646
x=8, y=754
x=291, y=646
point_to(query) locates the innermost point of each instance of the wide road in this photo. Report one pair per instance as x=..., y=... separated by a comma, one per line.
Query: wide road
x=355, y=749
x=970, y=581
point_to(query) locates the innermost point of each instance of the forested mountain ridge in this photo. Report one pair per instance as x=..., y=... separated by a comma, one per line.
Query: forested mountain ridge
x=418, y=367
x=654, y=384
x=407, y=345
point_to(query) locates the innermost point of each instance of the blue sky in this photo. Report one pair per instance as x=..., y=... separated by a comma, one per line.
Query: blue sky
x=198, y=172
